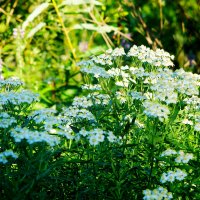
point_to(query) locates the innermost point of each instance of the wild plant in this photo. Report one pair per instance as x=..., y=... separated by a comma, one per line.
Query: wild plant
x=133, y=134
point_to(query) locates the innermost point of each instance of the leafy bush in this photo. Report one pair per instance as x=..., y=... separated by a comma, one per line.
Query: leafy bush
x=47, y=38
x=133, y=134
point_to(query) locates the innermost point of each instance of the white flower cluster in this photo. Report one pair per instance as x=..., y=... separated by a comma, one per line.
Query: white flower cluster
x=117, y=52
x=168, y=152
x=181, y=156
x=5, y=154
x=11, y=82
x=159, y=193
x=82, y=102
x=171, y=176
x=91, y=87
x=117, y=72
x=78, y=114
x=17, y=98
x=6, y=120
x=187, y=121
x=97, y=135
x=187, y=83
x=121, y=96
x=31, y=137
x=197, y=127
x=139, y=72
x=41, y=115
x=122, y=78
x=99, y=99
x=193, y=101
x=153, y=109
x=164, y=86
x=192, y=114
x=107, y=58
x=103, y=59
x=159, y=57
x=96, y=71
x=139, y=124
x=65, y=131
x=137, y=95
x=45, y=117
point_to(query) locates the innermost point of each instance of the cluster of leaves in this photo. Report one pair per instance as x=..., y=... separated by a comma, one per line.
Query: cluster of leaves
x=130, y=136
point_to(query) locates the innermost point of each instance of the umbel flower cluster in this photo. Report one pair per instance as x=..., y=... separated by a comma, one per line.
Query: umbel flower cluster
x=158, y=193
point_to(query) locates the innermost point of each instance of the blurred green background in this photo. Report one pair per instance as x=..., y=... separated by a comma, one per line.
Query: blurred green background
x=41, y=41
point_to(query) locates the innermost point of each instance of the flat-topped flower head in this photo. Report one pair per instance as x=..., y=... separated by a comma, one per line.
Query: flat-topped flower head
x=6, y=120
x=168, y=152
x=184, y=157
x=171, y=176
x=118, y=52
x=154, y=109
x=17, y=98
x=31, y=137
x=11, y=83
x=159, y=193
x=159, y=57
x=8, y=153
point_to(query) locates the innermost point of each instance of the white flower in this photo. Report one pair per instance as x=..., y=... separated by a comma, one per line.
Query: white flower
x=184, y=157
x=5, y=154
x=153, y=109
x=96, y=71
x=11, y=82
x=124, y=67
x=83, y=132
x=100, y=137
x=139, y=124
x=159, y=193
x=122, y=83
x=91, y=87
x=6, y=120
x=82, y=102
x=137, y=95
x=33, y=136
x=93, y=140
x=111, y=137
x=197, y=127
x=164, y=178
x=168, y=152
x=146, y=55
x=186, y=121
x=171, y=176
x=180, y=175
x=118, y=52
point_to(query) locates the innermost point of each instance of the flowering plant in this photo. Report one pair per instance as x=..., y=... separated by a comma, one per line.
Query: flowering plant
x=132, y=135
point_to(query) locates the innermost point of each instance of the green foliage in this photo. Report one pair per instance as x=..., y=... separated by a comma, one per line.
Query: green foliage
x=41, y=42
